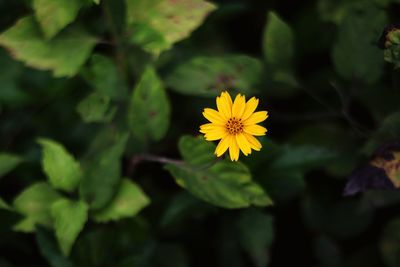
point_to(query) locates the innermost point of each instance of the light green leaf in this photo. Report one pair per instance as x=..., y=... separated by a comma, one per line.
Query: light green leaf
x=54, y=15
x=62, y=170
x=256, y=233
x=35, y=202
x=103, y=75
x=278, y=42
x=64, y=55
x=149, y=110
x=208, y=76
x=157, y=24
x=96, y=108
x=357, y=36
x=129, y=200
x=226, y=184
x=69, y=218
x=102, y=178
x=8, y=162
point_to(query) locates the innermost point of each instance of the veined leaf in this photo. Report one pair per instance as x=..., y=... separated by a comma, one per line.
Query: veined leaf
x=69, y=218
x=64, y=55
x=129, y=200
x=102, y=178
x=157, y=24
x=226, y=184
x=96, y=108
x=208, y=76
x=35, y=202
x=149, y=110
x=54, y=15
x=62, y=170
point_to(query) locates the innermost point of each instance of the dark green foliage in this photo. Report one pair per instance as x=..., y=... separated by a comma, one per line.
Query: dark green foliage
x=102, y=162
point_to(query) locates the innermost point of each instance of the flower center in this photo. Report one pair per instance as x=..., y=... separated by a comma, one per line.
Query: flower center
x=234, y=126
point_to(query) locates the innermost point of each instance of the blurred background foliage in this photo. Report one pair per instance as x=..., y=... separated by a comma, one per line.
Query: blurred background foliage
x=100, y=104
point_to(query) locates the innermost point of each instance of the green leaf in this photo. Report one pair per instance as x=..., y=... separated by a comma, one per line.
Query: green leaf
x=226, y=184
x=157, y=24
x=203, y=151
x=103, y=75
x=302, y=158
x=96, y=108
x=129, y=201
x=49, y=249
x=62, y=170
x=102, y=178
x=278, y=48
x=256, y=233
x=69, y=218
x=35, y=202
x=278, y=42
x=355, y=54
x=149, y=110
x=8, y=162
x=54, y=15
x=64, y=55
x=208, y=76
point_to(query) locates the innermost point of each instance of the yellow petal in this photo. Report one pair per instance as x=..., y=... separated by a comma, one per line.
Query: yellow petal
x=215, y=135
x=234, y=150
x=251, y=105
x=223, y=145
x=255, y=130
x=211, y=127
x=254, y=143
x=243, y=144
x=213, y=116
x=256, y=118
x=223, y=107
x=238, y=106
x=225, y=95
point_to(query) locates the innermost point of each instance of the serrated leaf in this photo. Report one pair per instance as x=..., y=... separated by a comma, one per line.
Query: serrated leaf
x=8, y=162
x=208, y=76
x=157, y=24
x=61, y=168
x=69, y=218
x=35, y=202
x=48, y=247
x=96, y=108
x=103, y=75
x=357, y=38
x=278, y=42
x=64, y=55
x=102, y=178
x=226, y=184
x=149, y=110
x=256, y=233
x=54, y=15
x=129, y=200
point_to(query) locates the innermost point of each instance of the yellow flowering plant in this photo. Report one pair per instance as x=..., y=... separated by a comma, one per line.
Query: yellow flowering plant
x=234, y=123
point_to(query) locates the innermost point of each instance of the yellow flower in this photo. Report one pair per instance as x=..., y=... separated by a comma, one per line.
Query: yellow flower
x=235, y=124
